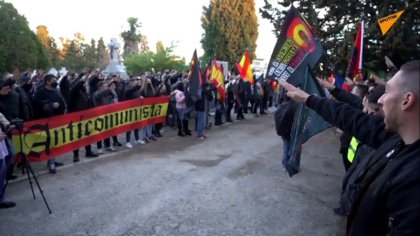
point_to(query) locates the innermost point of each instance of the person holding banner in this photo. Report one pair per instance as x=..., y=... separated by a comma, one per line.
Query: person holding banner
x=104, y=96
x=387, y=201
x=132, y=91
x=79, y=101
x=50, y=103
x=147, y=90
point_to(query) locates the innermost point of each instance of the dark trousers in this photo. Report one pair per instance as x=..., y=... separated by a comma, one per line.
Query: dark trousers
x=240, y=111
x=228, y=111
x=220, y=107
x=88, y=149
x=172, y=117
x=128, y=135
x=218, y=117
x=255, y=106
x=157, y=129
x=264, y=103
x=107, y=143
x=245, y=105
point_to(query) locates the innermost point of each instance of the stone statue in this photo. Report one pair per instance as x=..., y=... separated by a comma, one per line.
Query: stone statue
x=114, y=49
x=115, y=66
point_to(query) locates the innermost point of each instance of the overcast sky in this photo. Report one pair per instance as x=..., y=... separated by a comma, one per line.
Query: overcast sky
x=165, y=20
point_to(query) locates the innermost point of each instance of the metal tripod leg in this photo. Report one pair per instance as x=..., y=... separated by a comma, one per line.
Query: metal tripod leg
x=25, y=167
x=29, y=169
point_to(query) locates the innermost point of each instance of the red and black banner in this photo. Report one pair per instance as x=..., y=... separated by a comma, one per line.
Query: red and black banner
x=46, y=138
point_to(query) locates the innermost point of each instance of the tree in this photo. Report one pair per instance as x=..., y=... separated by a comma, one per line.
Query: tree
x=65, y=43
x=335, y=24
x=72, y=57
x=90, y=55
x=20, y=48
x=230, y=27
x=131, y=37
x=43, y=35
x=49, y=44
x=102, y=54
x=150, y=61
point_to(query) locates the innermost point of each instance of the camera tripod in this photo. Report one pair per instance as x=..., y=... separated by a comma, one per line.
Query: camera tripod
x=21, y=158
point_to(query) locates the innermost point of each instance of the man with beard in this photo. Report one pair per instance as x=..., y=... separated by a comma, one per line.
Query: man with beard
x=387, y=202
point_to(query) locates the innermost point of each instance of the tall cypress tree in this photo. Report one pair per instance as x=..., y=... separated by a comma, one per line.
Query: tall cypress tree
x=102, y=54
x=230, y=27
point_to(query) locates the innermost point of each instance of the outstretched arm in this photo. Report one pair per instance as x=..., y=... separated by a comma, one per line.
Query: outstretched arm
x=369, y=129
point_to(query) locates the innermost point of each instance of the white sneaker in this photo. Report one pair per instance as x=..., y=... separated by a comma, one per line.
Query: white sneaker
x=128, y=145
x=100, y=151
x=139, y=141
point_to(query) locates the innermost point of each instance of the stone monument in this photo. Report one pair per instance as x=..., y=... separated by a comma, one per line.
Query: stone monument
x=115, y=66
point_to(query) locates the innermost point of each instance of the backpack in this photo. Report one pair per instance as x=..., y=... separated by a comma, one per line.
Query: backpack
x=283, y=118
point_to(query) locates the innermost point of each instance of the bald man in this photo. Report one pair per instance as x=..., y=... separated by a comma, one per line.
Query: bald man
x=388, y=198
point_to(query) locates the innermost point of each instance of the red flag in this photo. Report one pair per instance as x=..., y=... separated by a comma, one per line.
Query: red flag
x=355, y=62
x=218, y=80
x=244, y=67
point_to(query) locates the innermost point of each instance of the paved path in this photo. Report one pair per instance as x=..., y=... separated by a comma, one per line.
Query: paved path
x=229, y=184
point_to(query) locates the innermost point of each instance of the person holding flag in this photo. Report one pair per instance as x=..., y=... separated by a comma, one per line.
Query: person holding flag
x=218, y=81
x=295, y=54
x=239, y=94
x=257, y=94
x=387, y=202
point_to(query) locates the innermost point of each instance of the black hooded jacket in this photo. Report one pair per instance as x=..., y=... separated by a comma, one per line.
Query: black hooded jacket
x=78, y=97
x=388, y=198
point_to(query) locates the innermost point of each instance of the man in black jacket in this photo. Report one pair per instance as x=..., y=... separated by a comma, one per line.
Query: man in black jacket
x=388, y=198
x=79, y=101
x=50, y=103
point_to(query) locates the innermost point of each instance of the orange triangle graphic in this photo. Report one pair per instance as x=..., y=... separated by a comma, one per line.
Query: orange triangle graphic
x=385, y=23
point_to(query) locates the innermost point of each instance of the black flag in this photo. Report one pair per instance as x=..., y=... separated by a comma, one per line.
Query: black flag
x=195, y=78
x=296, y=47
x=307, y=123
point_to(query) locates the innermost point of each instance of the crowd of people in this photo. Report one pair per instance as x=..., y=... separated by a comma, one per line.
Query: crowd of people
x=379, y=122
x=28, y=96
x=380, y=192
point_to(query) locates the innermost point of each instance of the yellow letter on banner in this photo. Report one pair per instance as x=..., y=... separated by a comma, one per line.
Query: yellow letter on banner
x=385, y=23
